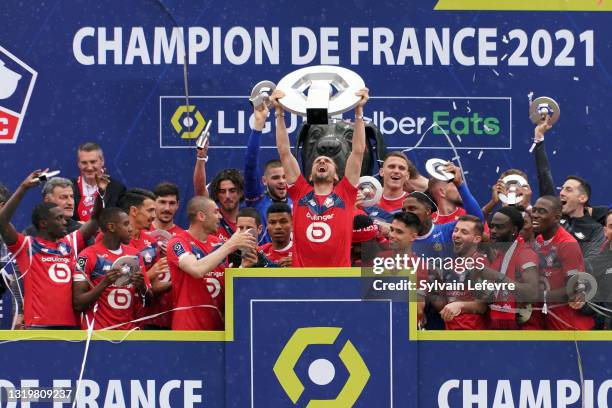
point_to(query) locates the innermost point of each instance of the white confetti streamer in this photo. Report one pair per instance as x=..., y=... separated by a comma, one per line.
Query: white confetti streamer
x=495, y=72
x=511, y=74
x=505, y=40
x=504, y=57
x=576, y=79
x=480, y=154
x=587, y=109
x=454, y=105
x=497, y=169
x=554, y=152
x=459, y=138
x=530, y=96
x=469, y=152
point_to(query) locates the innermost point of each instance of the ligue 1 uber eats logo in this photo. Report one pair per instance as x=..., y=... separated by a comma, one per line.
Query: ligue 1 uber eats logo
x=321, y=371
x=185, y=118
x=16, y=84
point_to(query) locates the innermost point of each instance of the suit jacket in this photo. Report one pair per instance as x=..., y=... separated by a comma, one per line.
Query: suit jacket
x=112, y=197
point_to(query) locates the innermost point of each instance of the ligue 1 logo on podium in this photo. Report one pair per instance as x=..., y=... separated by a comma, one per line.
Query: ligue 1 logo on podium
x=16, y=84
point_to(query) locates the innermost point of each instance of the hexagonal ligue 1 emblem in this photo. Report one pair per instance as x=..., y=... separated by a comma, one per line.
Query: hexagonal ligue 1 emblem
x=321, y=371
x=16, y=84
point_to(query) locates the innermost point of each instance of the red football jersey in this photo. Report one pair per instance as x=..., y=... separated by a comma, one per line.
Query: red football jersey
x=446, y=218
x=117, y=304
x=392, y=205
x=47, y=268
x=561, y=257
x=275, y=255
x=203, y=299
x=175, y=229
x=322, y=224
x=523, y=258
x=162, y=304
x=225, y=230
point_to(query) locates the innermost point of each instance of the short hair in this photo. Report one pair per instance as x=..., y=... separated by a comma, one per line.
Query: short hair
x=274, y=163
x=232, y=175
x=409, y=219
x=135, y=197
x=107, y=216
x=250, y=212
x=195, y=205
x=478, y=224
x=277, y=208
x=41, y=212
x=166, y=188
x=412, y=170
x=555, y=201
x=54, y=182
x=91, y=147
x=5, y=194
x=516, y=217
x=424, y=199
x=585, y=187
x=517, y=172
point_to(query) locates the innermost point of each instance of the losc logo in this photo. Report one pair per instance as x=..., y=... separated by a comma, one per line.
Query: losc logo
x=16, y=84
x=321, y=371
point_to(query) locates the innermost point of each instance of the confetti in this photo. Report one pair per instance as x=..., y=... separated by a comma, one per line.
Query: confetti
x=454, y=105
x=495, y=72
x=530, y=96
x=474, y=77
x=504, y=57
x=554, y=152
x=505, y=40
x=576, y=79
x=459, y=138
x=587, y=109
x=497, y=169
x=488, y=129
x=480, y=154
x=466, y=172
x=511, y=74
x=469, y=152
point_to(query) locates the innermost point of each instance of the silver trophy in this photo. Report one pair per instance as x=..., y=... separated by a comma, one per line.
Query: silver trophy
x=128, y=265
x=260, y=94
x=320, y=92
x=371, y=189
x=203, y=138
x=540, y=108
x=161, y=236
x=514, y=194
x=435, y=168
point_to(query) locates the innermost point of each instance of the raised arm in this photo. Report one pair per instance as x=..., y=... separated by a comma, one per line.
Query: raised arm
x=546, y=184
x=199, y=172
x=7, y=230
x=290, y=163
x=90, y=228
x=199, y=268
x=355, y=159
x=252, y=173
x=469, y=202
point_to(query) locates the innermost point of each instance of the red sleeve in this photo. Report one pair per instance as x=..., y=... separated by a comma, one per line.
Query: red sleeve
x=21, y=251
x=84, y=265
x=176, y=248
x=527, y=259
x=75, y=240
x=298, y=189
x=571, y=258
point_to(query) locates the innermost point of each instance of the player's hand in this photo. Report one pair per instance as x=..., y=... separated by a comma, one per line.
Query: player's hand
x=102, y=181
x=450, y=311
x=157, y=271
x=19, y=322
x=364, y=94
x=285, y=262
x=203, y=152
x=261, y=114
x=32, y=179
x=384, y=228
x=276, y=95
x=498, y=188
x=137, y=279
x=451, y=168
x=360, y=199
x=527, y=194
x=111, y=276
x=540, y=130
x=249, y=259
x=242, y=240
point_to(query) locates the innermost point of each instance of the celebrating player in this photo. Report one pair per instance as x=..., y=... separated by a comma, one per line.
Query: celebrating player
x=166, y=205
x=323, y=212
x=46, y=261
x=261, y=191
x=96, y=282
x=196, y=260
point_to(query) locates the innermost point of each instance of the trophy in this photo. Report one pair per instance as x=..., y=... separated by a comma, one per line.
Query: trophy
x=320, y=92
x=127, y=265
x=582, y=282
x=46, y=176
x=540, y=108
x=435, y=168
x=371, y=189
x=260, y=94
x=161, y=236
x=203, y=138
x=513, y=184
